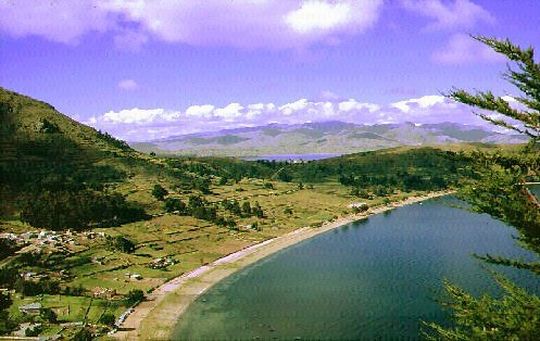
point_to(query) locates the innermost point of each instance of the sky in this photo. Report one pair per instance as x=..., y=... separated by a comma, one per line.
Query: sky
x=148, y=69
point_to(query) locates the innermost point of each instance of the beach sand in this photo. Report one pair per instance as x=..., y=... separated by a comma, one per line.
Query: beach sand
x=156, y=317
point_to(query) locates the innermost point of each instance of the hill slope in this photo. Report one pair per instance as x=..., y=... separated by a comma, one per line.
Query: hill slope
x=49, y=159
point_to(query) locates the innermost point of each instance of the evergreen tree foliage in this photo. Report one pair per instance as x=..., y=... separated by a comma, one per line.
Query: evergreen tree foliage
x=495, y=185
x=526, y=78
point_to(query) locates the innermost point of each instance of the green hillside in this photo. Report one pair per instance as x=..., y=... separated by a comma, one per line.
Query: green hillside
x=50, y=161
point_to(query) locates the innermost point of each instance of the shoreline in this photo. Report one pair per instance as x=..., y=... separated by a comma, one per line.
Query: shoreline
x=156, y=317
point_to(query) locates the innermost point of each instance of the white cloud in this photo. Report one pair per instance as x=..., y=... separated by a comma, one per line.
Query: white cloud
x=143, y=124
x=258, y=109
x=463, y=49
x=59, y=21
x=319, y=16
x=422, y=102
x=136, y=116
x=269, y=24
x=290, y=108
x=457, y=14
x=230, y=111
x=200, y=110
x=352, y=104
x=128, y=85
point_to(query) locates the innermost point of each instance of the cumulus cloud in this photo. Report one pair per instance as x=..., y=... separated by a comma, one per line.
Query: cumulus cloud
x=200, y=110
x=59, y=21
x=241, y=23
x=146, y=124
x=352, y=105
x=457, y=14
x=422, y=103
x=462, y=49
x=128, y=85
x=136, y=116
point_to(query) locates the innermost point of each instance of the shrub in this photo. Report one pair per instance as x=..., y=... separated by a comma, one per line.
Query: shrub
x=34, y=331
x=175, y=204
x=134, y=296
x=121, y=243
x=159, y=192
x=83, y=335
x=48, y=315
x=7, y=247
x=107, y=319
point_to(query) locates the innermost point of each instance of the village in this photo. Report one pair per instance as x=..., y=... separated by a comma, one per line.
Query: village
x=43, y=302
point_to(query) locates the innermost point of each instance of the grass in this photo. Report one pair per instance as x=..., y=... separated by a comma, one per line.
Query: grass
x=193, y=242
x=70, y=308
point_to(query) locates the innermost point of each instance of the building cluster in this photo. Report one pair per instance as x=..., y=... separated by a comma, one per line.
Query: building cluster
x=104, y=293
x=161, y=263
x=50, y=241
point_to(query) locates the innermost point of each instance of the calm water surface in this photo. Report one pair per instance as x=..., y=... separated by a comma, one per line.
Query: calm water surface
x=289, y=157
x=372, y=279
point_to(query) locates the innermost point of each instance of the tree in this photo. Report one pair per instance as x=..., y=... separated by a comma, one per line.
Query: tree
x=255, y=226
x=506, y=198
x=33, y=331
x=284, y=175
x=8, y=276
x=5, y=301
x=134, y=296
x=31, y=288
x=257, y=210
x=78, y=209
x=48, y=315
x=246, y=209
x=107, y=319
x=159, y=192
x=84, y=334
x=6, y=324
x=526, y=79
x=516, y=316
x=175, y=204
x=7, y=247
x=121, y=243
x=495, y=186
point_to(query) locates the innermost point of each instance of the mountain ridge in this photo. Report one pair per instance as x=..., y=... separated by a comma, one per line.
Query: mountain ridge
x=321, y=137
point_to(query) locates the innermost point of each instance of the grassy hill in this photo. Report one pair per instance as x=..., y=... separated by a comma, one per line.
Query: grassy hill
x=47, y=155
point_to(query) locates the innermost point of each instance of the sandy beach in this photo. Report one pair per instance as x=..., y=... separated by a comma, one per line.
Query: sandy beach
x=156, y=317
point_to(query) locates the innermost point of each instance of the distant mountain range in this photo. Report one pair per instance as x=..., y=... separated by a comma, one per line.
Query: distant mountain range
x=322, y=137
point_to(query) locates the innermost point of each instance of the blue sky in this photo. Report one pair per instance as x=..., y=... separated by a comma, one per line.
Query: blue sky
x=148, y=69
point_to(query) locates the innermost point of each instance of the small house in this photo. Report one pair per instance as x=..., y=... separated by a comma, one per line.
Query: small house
x=359, y=206
x=31, y=309
x=103, y=293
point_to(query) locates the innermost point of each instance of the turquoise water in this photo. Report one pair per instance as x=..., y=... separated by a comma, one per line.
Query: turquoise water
x=373, y=279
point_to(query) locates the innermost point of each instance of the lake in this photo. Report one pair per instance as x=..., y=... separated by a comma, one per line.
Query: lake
x=375, y=278
x=293, y=157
